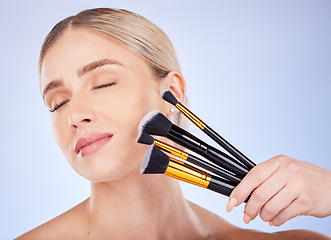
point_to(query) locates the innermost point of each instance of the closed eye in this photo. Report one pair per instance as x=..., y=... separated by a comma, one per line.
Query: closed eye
x=103, y=85
x=58, y=106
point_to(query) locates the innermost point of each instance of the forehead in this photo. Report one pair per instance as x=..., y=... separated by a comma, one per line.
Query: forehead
x=78, y=47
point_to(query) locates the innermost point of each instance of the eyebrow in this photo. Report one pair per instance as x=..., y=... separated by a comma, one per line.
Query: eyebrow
x=97, y=64
x=84, y=70
x=53, y=84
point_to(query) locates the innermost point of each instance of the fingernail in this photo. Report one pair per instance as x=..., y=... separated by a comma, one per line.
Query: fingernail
x=270, y=223
x=247, y=218
x=231, y=204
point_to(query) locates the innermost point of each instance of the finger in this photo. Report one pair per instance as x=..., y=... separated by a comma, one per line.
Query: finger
x=261, y=195
x=278, y=203
x=293, y=210
x=252, y=180
x=231, y=204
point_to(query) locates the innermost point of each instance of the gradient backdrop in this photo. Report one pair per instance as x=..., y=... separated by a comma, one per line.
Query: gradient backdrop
x=258, y=72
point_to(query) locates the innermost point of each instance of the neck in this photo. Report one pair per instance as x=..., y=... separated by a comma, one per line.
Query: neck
x=141, y=205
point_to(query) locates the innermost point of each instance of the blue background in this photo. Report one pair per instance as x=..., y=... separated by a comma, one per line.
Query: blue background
x=258, y=72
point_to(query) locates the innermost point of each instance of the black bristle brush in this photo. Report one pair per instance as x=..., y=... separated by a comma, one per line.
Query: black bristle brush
x=145, y=138
x=155, y=123
x=157, y=162
x=169, y=97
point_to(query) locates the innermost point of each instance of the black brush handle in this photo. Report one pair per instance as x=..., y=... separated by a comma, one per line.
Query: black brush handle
x=216, y=170
x=218, y=185
x=189, y=141
x=228, y=147
x=225, y=161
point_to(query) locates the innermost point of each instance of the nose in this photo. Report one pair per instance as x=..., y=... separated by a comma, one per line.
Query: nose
x=81, y=114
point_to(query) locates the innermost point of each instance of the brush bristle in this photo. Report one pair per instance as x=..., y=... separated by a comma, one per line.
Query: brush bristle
x=155, y=161
x=155, y=123
x=169, y=97
x=145, y=138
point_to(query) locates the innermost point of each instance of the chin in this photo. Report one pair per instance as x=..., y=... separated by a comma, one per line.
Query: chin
x=108, y=169
x=110, y=164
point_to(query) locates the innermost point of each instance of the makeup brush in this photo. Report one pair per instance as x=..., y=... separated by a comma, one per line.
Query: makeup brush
x=145, y=138
x=169, y=97
x=157, y=162
x=155, y=123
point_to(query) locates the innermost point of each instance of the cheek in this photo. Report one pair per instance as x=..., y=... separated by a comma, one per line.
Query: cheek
x=61, y=134
x=137, y=106
x=128, y=107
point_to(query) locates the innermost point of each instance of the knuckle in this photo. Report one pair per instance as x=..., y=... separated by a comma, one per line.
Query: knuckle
x=250, y=211
x=268, y=210
x=259, y=195
x=281, y=158
x=267, y=213
x=305, y=203
x=293, y=168
x=257, y=176
x=238, y=192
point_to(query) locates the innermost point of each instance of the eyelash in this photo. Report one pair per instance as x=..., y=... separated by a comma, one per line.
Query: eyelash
x=104, y=85
x=58, y=106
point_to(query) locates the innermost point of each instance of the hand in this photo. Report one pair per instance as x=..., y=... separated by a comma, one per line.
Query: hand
x=283, y=188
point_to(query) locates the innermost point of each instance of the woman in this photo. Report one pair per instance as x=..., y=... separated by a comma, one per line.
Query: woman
x=101, y=72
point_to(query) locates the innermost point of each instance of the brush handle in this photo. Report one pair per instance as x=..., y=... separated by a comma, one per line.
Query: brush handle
x=189, y=141
x=228, y=147
x=225, y=161
x=218, y=185
x=213, y=168
x=190, y=174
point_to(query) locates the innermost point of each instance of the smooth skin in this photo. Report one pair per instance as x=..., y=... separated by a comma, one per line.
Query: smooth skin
x=283, y=188
x=113, y=98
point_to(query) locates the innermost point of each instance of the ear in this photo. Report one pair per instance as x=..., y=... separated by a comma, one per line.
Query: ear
x=175, y=83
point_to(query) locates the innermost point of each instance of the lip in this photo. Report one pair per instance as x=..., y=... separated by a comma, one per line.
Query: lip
x=92, y=143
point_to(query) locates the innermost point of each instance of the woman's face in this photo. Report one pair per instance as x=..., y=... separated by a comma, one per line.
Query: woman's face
x=97, y=92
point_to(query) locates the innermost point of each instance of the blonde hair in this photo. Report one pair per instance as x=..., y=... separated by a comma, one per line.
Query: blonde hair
x=130, y=30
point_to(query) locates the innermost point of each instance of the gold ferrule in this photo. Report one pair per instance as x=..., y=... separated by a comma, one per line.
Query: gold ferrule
x=170, y=149
x=187, y=173
x=190, y=115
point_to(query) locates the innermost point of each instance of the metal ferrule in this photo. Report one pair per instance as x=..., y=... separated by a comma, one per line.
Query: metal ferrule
x=187, y=173
x=200, y=124
x=170, y=149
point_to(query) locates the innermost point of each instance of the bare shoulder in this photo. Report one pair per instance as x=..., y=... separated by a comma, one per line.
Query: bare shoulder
x=285, y=235
x=61, y=227
x=218, y=228
x=210, y=219
x=302, y=234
